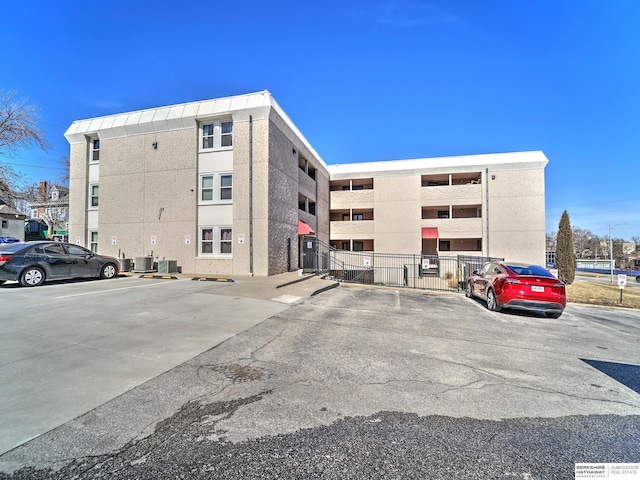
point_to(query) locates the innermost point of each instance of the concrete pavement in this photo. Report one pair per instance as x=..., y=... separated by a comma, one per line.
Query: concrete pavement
x=69, y=347
x=370, y=383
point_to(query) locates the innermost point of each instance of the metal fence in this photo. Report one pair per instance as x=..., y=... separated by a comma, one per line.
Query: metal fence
x=428, y=272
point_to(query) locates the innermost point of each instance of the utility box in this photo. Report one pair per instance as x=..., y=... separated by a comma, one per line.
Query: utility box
x=167, y=266
x=144, y=264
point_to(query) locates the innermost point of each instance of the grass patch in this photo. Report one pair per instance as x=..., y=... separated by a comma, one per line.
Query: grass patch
x=603, y=294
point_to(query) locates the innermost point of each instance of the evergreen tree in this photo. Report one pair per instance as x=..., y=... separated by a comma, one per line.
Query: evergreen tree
x=565, y=252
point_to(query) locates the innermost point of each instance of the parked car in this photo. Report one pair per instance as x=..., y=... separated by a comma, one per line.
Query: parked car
x=519, y=286
x=32, y=263
x=5, y=239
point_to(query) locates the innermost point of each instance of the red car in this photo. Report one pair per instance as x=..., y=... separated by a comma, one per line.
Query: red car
x=518, y=286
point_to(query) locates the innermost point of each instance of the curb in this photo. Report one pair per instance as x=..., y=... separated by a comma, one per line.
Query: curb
x=166, y=277
x=212, y=279
x=297, y=280
x=324, y=289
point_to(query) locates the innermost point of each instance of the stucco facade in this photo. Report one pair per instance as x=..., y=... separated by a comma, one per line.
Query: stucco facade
x=484, y=205
x=222, y=186
x=213, y=185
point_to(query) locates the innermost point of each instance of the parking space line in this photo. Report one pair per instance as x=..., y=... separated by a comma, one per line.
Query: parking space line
x=117, y=289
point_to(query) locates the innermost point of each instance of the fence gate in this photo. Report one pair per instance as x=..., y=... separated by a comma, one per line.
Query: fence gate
x=428, y=272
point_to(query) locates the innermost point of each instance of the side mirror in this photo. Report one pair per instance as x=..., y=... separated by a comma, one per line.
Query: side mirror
x=475, y=272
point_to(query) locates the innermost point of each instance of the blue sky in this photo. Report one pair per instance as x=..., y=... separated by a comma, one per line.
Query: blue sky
x=362, y=80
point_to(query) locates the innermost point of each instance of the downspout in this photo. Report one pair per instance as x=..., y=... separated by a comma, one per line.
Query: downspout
x=250, y=195
x=487, y=203
x=317, y=201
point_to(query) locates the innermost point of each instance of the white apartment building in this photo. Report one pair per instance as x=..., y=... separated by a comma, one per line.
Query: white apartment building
x=231, y=186
x=482, y=205
x=224, y=186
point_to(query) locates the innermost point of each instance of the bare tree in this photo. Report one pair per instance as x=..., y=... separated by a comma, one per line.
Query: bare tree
x=581, y=240
x=18, y=124
x=18, y=129
x=65, y=163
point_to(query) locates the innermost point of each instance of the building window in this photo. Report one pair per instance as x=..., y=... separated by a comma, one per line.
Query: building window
x=216, y=187
x=356, y=217
x=5, y=224
x=358, y=246
x=206, y=190
x=445, y=245
x=93, y=196
x=443, y=213
x=216, y=241
x=345, y=245
x=93, y=241
x=207, y=136
x=225, y=241
x=217, y=135
x=226, y=134
x=206, y=240
x=226, y=187
x=95, y=150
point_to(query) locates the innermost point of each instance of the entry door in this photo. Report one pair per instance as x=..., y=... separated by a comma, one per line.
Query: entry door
x=309, y=249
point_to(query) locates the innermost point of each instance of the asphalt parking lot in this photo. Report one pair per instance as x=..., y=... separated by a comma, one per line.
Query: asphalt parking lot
x=352, y=383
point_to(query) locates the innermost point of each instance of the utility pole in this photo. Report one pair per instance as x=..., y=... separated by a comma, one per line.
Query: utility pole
x=612, y=263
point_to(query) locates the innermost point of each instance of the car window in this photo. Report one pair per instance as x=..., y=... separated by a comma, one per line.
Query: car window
x=486, y=268
x=76, y=250
x=54, y=249
x=535, y=270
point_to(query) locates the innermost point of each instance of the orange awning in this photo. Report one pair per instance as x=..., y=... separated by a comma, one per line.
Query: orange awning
x=304, y=229
x=429, y=232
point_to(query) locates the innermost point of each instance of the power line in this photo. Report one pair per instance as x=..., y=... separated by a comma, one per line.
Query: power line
x=594, y=204
x=32, y=166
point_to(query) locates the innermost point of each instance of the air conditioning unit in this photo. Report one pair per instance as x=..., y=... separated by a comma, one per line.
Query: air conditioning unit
x=167, y=266
x=143, y=264
x=125, y=264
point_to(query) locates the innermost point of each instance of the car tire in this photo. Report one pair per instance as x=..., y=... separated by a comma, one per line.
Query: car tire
x=492, y=301
x=467, y=290
x=554, y=315
x=108, y=271
x=32, y=277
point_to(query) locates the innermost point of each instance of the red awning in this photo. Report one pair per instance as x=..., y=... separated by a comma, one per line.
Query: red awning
x=304, y=229
x=429, y=232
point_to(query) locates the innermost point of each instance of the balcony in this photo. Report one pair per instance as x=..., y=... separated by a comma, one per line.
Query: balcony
x=450, y=194
x=340, y=229
x=351, y=198
x=456, y=227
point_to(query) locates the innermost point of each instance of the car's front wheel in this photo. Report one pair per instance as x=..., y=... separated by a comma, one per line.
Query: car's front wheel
x=492, y=301
x=32, y=277
x=108, y=271
x=468, y=291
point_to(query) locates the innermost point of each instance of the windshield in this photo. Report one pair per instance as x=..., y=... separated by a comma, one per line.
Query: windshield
x=535, y=270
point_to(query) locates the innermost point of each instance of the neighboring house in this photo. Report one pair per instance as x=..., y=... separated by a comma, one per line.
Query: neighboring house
x=481, y=205
x=231, y=186
x=11, y=222
x=52, y=207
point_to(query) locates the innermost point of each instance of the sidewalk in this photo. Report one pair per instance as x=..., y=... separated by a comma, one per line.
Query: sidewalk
x=289, y=288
